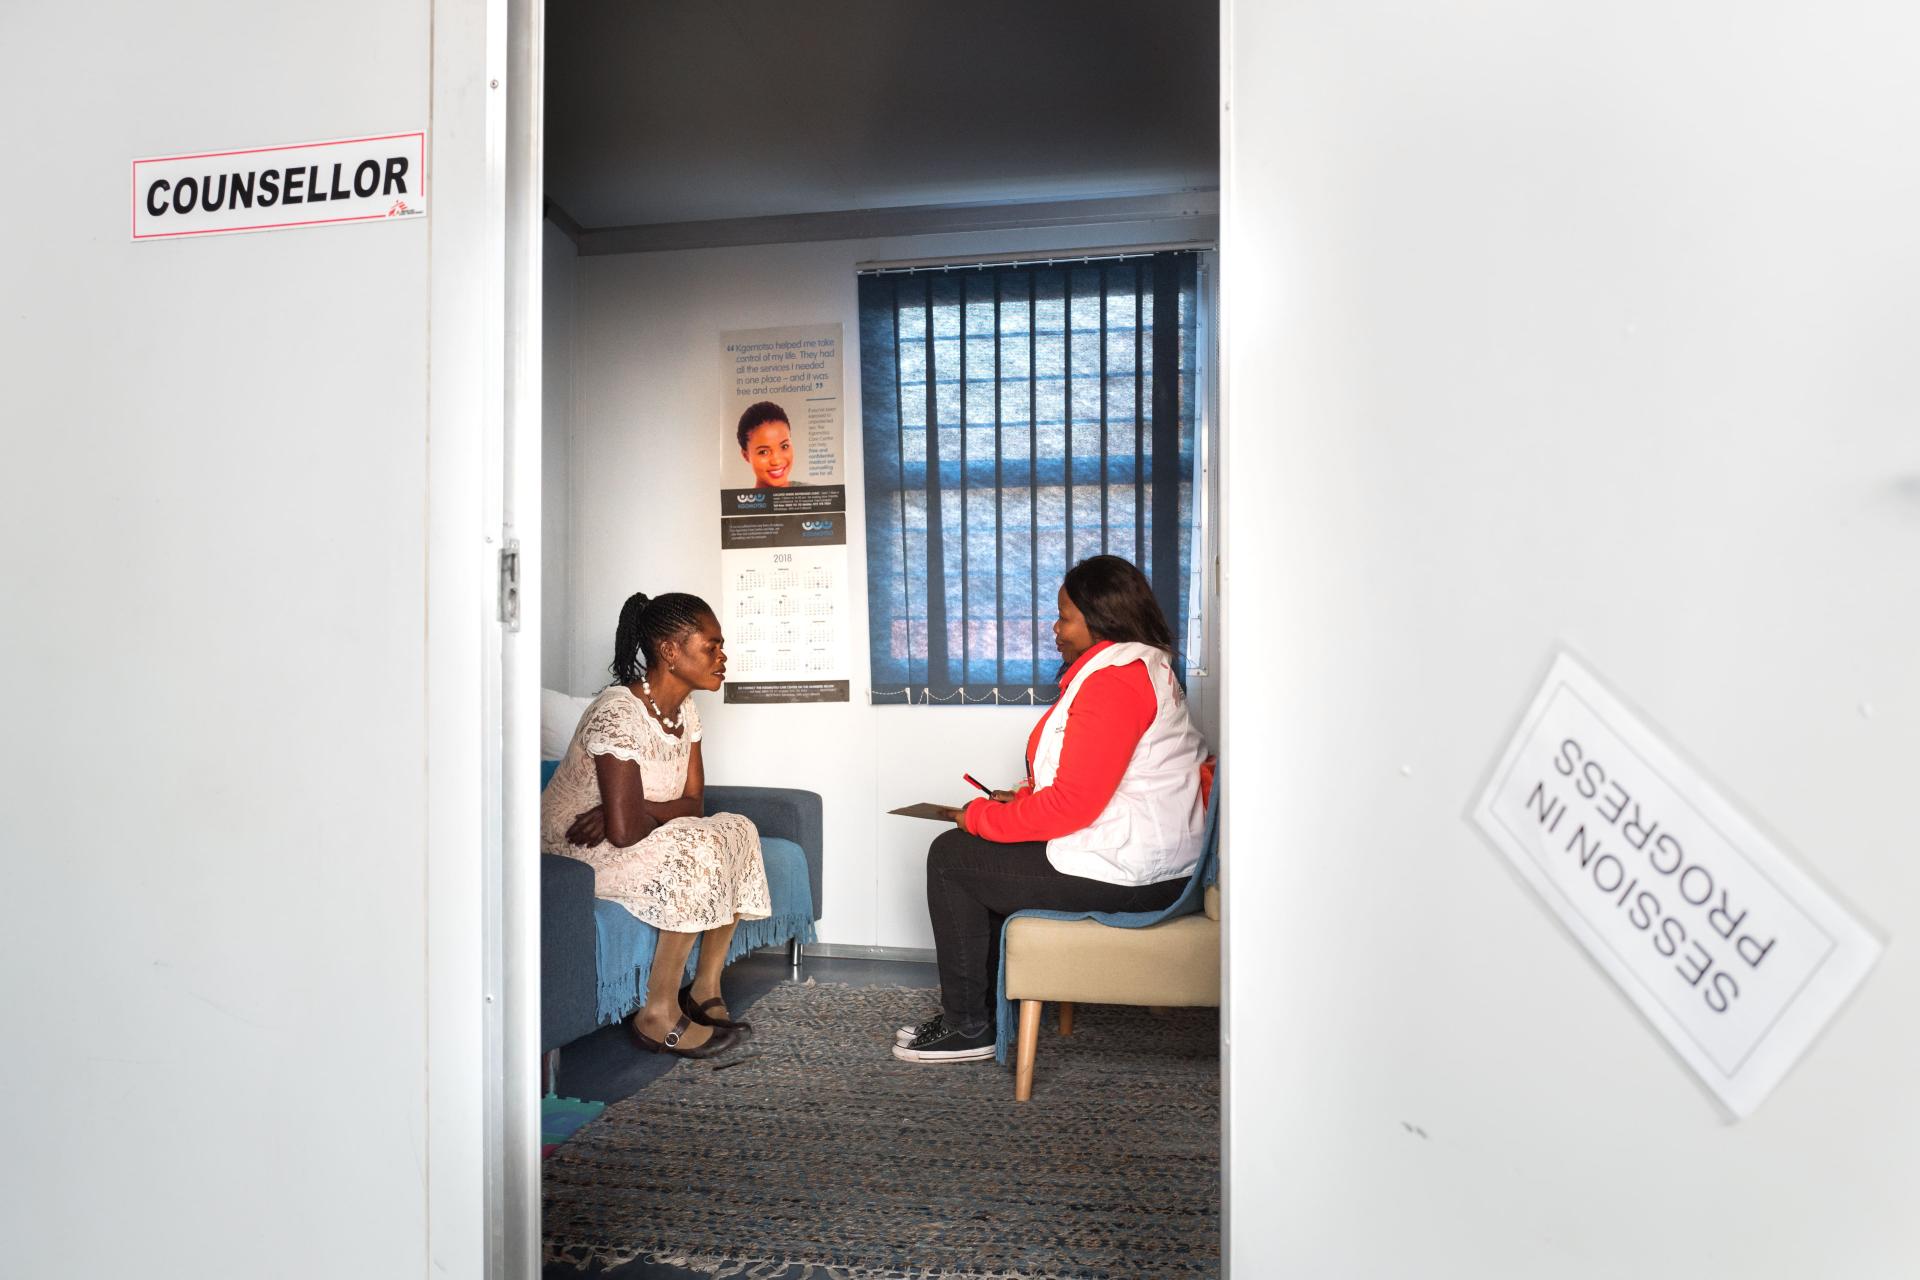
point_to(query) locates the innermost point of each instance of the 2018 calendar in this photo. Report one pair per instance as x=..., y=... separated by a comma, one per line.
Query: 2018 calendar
x=783, y=567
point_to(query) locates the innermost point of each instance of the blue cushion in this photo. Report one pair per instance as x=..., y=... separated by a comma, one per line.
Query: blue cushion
x=547, y=768
x=568, y=965
x=624, y=945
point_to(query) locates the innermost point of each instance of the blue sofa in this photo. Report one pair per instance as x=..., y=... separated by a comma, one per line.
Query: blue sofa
x=595, y=957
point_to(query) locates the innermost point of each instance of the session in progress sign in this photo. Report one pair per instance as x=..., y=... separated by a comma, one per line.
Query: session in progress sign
x=377, y=179
x=1736, y=955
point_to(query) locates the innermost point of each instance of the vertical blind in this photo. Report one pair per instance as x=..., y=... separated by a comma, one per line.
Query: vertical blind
x=1017, y=419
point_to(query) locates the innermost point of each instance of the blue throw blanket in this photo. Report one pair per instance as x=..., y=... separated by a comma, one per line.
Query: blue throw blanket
x=1191, y=898
x=625, y=945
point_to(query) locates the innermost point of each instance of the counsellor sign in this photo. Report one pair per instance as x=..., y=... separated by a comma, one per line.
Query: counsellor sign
x=1735, y=954
x=309, y=184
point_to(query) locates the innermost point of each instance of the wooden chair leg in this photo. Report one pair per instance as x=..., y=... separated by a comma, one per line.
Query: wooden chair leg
x=1066, y=1017
x=1023, y=1050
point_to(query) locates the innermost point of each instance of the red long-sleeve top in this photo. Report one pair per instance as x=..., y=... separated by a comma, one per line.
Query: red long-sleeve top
x=1110, y=714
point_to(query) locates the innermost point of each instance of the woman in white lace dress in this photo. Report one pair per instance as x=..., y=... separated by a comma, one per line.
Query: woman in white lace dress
x=626, y=800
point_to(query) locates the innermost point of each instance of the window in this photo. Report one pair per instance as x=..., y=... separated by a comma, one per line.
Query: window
x=1016, y=421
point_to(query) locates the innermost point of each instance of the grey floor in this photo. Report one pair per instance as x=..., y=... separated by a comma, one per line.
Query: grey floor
x=605, y=1066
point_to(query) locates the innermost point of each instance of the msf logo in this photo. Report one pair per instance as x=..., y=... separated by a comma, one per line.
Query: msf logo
x=816, y=528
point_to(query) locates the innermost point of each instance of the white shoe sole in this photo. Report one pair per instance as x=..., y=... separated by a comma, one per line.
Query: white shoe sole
x=983, y=1053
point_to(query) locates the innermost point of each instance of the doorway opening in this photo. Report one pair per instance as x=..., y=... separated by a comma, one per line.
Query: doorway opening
x=745, y=174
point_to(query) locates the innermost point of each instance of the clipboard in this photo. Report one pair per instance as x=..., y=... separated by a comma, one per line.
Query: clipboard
x=937, y=812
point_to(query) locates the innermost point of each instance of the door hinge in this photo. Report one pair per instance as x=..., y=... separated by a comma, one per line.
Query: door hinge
x=510, y=584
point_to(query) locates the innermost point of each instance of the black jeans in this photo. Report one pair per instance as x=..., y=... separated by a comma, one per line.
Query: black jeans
x=973, y=885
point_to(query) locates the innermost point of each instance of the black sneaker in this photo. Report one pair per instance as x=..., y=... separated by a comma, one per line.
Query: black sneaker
x=941, y=1043
x=906, y=1035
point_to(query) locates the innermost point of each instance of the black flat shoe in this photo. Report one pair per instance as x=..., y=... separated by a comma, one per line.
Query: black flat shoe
x=718, y=1042
x=698, y=1012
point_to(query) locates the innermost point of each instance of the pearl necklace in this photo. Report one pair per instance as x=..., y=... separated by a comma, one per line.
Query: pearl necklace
x=646, y=691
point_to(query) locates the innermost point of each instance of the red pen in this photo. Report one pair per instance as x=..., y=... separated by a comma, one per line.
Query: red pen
x=967, y=777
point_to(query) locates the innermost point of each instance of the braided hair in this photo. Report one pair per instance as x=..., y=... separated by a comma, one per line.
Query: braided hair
x=645, y=623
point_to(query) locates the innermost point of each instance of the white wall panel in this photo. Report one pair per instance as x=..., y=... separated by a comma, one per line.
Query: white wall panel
x=1558, y=325
x=556, y=457
x=214, y=503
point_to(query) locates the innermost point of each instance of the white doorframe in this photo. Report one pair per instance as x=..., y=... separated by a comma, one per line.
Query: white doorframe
x=480, y=1153
x=517, y=944
x=1223, y=436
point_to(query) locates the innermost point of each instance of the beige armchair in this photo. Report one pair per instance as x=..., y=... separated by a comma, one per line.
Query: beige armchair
x=1173, y=964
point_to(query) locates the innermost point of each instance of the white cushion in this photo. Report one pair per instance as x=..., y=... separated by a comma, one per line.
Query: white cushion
x=559, y=716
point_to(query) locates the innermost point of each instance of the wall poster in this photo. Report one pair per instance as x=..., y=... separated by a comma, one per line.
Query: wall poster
x=1732, y=952
x=783, y=516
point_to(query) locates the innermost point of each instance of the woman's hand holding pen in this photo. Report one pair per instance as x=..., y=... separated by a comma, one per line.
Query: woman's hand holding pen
x=998, y=797
x=1001, y=797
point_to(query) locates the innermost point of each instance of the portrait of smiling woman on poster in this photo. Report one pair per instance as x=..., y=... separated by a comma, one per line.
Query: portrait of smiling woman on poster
x=766, y=442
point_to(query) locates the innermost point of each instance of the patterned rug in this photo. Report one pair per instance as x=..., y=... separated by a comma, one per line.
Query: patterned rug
x=811, y=1151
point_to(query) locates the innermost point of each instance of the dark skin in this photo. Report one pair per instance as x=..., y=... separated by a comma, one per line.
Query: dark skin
x=624, y=816
x=695, y=659
x=1072, y=637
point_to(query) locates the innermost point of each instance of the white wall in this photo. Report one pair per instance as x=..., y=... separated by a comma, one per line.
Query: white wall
x=556, y=454
x=646, y=430
x=214, y=828
x=1557, y=324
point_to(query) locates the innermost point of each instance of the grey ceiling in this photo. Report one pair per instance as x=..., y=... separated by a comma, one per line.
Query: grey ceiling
x=676, y=110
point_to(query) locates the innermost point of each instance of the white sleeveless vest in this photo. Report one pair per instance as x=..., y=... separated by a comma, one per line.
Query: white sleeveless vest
x=1150, y=831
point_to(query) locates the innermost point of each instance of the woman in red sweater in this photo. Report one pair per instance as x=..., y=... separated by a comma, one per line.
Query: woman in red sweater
x=1109, y=818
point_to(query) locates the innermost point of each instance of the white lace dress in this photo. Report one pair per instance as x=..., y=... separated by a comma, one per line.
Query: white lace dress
x=688, y=875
